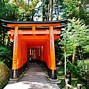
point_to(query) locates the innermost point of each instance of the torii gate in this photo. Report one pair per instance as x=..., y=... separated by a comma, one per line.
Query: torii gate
x=36, y=36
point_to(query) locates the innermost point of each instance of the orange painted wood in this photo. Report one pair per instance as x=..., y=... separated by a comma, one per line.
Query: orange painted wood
x=52, y=49
x=34, y=40
x=34, y=32
x=15, y=49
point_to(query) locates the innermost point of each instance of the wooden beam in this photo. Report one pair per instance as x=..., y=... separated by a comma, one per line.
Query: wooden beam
x=34, y=32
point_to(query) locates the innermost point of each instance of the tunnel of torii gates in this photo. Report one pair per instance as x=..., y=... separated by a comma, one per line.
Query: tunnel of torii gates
x=35, y=39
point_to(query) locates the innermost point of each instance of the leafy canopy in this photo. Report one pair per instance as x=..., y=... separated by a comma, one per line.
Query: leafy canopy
x=76, y=34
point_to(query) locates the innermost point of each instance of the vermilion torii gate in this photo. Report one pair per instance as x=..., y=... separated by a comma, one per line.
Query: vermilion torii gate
x=35, y=39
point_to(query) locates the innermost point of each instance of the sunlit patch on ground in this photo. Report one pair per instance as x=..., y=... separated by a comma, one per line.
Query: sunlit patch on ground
x=29, y=85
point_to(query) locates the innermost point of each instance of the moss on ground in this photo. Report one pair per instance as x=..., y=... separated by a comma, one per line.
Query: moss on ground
x=4, y=74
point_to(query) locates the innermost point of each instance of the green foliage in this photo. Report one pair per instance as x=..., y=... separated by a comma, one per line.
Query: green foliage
x=5, y=56
x=25, y=10
x=79, y=70
x=19, y=10
x=75, y=39
x=4, y=75
x=59, y=56
x=8, y=11
x=75, y=8
x=76, y=34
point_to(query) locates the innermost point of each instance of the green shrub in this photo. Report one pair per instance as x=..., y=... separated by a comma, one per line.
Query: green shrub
x=79, y=70
x=5, y=56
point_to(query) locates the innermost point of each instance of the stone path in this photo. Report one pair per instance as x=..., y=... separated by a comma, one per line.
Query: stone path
x=34, y=78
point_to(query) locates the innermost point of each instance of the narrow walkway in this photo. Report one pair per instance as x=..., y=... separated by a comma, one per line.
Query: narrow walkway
x=34, y=78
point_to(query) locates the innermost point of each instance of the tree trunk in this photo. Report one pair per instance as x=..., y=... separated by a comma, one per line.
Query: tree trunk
x=28, y=2
x=65, y=58
x=50, y=10
x=16, y=0
x=74, y=54
x=45, y=10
